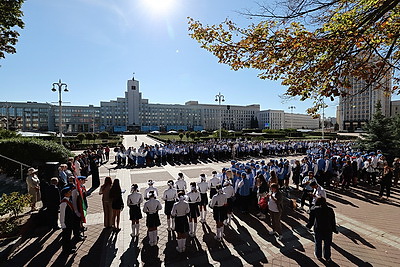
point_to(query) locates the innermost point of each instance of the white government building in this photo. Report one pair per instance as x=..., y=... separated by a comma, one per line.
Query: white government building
x=135, y=113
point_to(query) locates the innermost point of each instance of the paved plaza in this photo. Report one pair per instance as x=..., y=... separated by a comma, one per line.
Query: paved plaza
x=369, y=232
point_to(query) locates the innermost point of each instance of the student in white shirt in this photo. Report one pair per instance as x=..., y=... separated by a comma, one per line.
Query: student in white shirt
x=170, y=196
x=194, y=199
x=134, y=200
x=230, y=194
x=203, y=188
x=151, y=208
x=149, y=189
x=218, y=204
x=180, y=210
x=180, y=183
x=214, y=181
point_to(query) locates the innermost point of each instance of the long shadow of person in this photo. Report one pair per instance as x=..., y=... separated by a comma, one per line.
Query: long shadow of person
x=130, y=256
x=149, y=254
x=100, y=250
x=47, y=253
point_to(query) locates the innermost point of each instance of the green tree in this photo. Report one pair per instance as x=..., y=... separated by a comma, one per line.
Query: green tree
x=187, y=134
x=181, y=136
x=198, y=134
x=81, y=137
x=10, y=18
x=379, y=132
x=342, y=39
x=4, y=134
x=104, y=135
x=192, y=135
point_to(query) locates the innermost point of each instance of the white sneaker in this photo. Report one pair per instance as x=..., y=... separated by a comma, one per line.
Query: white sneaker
x=271, y=232
x=262, y=217
x=169, y=229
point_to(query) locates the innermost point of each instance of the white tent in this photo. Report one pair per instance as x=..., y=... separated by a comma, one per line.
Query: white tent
x=155, y=132
x=172, y=132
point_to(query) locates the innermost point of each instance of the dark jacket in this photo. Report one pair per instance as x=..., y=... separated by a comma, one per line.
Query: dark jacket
x=279, y=200
x=323, y=220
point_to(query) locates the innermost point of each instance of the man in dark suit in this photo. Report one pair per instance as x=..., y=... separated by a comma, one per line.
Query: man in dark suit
x=54, y=198
x=322, y=218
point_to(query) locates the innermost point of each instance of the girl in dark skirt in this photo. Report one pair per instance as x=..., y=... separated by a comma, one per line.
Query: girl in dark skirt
x=117, y=203
x=170, y=197
x=194, y=199
x=203, y=188
x=218, y=204
x=230, y=194
x=151, y=208
x=180, y=210
x=134, y=201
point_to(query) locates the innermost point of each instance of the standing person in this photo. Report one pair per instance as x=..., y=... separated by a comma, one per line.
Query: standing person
x=170, y=196
x=218, y=204
x=33, y=184
x=296, y=174
x=396, y=171
x=194, y=199
x=117, y=203
x=203, y=188
x=229, y=192
x=243, y=188
x=322, y=218
x=181, y=183
x=107, y=152
x=151, y=208
x=262, y=191
x=347, y=175
x=386, y=181
x=134, y=200
x=214, y=181
x=54, y=198
x=149, y=189
x=67, y=217
x=94, y=169
x=107, y=202
x=318, y=191
x=275, y=206
x=307, y=189
x=78, y=168
x=180, y=210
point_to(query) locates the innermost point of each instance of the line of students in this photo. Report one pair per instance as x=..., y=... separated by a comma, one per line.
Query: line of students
x=182, y=208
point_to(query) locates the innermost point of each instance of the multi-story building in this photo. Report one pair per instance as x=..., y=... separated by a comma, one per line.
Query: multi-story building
x=300, y=121
x=271, y=119
x=355, y=110
x=132, y=112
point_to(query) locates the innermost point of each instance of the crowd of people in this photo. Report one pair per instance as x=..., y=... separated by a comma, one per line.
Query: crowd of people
x=241, y=187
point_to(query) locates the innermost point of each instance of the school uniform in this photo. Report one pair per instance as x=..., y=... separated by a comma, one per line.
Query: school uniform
x=203, y=188
x=67, y=217
x=134, y=200
x=169, y=196
x=214, y=181
x=218, y=204
x=180, y=210
x=149, y=189
x=180, y=185
x=194, y=199
x=151, y=208
x=229, y=191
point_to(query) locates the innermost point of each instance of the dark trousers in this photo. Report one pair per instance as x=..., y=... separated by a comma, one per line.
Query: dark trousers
x=276, y=221
x=244, y=203
x=383, y=187
x=306, y=195
x=327, y=238
x=52, y=213
x=76, y=228
x=66, y=239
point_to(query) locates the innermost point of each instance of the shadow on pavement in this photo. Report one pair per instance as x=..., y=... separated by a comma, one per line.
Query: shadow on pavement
x=353, y=236
x=101, y=248
x=355, y=260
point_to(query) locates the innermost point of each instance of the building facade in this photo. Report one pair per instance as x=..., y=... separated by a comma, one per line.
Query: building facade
x=134, y=113
x=355, y=110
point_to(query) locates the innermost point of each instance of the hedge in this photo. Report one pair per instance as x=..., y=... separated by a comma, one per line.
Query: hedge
x=30, y=151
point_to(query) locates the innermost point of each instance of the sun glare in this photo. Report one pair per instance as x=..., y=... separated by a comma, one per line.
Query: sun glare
x=159, y=6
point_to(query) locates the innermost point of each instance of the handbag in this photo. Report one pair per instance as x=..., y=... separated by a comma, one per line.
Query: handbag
x=263, y=203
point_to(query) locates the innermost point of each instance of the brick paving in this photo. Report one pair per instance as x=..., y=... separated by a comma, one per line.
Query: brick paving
x=368, y=227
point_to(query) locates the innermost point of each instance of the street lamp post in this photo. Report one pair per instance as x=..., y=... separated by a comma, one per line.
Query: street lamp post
x=220, y=98
x=60, y=86
x=291, y=116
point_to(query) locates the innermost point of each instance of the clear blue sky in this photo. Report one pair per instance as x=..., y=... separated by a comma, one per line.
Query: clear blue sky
x=95, y=45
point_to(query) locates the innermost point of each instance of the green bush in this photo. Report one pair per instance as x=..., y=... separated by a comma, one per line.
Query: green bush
x=14, y=203
x=104, y=135
x=5, y=134
x=30, y=151
x=81, y=136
